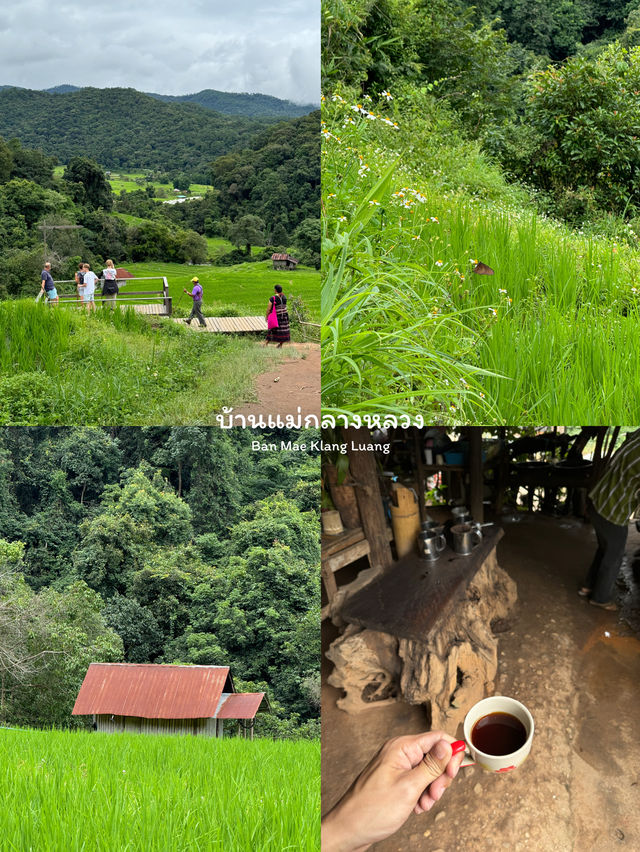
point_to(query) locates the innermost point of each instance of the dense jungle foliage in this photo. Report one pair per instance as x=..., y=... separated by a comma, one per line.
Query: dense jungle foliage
x=174, y=545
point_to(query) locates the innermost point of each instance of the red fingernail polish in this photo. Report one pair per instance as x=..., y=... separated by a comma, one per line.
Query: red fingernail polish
x=458, y=746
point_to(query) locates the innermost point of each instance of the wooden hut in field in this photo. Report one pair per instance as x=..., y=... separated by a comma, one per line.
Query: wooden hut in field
x=158, y=699
x=284, y=261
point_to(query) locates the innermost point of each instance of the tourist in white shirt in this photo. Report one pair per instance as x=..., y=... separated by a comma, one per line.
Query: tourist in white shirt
x=89, y=287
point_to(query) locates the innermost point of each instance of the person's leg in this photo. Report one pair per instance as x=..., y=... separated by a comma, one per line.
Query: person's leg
x=192, y=314
x=199, y=315
x=612, y=540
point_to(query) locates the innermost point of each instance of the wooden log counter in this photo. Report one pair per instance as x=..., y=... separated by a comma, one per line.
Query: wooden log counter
x=421, y=632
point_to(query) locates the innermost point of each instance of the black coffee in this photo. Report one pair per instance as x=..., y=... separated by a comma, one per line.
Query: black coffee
x=498, y=733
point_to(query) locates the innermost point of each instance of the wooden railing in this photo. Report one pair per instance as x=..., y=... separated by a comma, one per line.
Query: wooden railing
x=131, y=297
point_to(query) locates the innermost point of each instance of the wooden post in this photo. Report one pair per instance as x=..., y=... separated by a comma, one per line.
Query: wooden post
x=475, y=473
x=362, y=465
x=418, y=447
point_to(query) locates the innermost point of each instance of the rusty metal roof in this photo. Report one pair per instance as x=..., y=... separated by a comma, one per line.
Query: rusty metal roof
x=283, y=257
x=121, y=272
x=240, y=705
x=152, y=691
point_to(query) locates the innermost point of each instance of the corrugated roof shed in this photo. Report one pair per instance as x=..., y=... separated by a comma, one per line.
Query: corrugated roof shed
x=280, y=256
x=240, y=705
x=152, y=691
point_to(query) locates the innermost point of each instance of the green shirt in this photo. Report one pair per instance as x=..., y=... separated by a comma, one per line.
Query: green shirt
x=615, y=497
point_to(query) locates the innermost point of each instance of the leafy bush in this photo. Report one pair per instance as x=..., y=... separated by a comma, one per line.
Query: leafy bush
x=586, y=114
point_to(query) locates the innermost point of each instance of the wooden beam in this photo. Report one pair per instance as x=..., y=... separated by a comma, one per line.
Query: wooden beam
x=363, y=468
x=476, y=478
x=418, y=447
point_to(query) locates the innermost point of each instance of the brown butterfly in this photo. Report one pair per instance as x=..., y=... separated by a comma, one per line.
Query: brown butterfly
x=483, y=269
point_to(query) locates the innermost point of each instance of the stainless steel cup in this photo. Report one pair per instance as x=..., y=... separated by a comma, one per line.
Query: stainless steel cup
x=431, y=545
x=465, y=538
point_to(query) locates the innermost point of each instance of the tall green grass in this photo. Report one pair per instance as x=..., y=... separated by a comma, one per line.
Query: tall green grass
x=60, y=366
x=547, y=338
x=115, y=792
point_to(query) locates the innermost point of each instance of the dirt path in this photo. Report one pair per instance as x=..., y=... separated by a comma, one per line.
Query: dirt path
x=578, y=669
x=295, y=382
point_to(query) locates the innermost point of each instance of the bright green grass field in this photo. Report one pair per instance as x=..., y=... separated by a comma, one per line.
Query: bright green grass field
x=60, y=366
x=247, y=285
x=114, y=792
x=120, y=181
x=127, y=182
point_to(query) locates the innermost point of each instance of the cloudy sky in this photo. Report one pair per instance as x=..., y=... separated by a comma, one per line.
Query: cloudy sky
x=173, y=47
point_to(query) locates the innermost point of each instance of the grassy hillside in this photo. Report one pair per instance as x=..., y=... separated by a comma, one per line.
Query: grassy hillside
x=106, y=792
x=61, y=366
x=412, y=207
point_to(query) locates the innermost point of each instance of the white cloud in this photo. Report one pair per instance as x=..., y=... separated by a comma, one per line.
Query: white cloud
x=164, y=46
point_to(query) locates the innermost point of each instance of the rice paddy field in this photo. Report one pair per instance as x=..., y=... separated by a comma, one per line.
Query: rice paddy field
x=126, y=793
x=410, y=327
x=134, y=181
x=60, y=366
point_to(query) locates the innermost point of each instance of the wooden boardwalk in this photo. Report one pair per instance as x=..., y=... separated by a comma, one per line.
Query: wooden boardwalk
x=149, y=310
x=229, y=325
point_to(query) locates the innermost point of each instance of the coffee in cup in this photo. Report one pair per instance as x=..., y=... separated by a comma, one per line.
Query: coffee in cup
x=499, y=732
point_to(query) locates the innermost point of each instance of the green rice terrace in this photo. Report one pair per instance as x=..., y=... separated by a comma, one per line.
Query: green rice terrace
x=80, y=791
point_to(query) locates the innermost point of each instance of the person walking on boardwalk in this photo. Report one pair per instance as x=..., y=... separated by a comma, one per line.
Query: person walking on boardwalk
x=89, y=279
x=47, y=285
x=282, y=332
x=110, y=286
x=196, y=310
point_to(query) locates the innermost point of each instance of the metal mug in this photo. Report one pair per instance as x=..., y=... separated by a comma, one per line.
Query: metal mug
x=431, y=526
x=461, y=515
x=465, y=538
x=431, y=545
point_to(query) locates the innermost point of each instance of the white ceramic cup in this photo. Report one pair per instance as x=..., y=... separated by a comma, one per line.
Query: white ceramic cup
x=498, y=704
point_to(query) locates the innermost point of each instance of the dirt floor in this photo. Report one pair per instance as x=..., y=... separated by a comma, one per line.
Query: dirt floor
x=577, y=668
x=296, y=382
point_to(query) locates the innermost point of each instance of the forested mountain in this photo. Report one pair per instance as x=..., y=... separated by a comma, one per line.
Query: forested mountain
x=157, y=545
x=233, y=103
x=122, y=128
x=229, y=103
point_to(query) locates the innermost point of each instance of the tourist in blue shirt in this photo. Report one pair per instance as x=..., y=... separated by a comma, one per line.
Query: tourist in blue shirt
x=47, y=284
